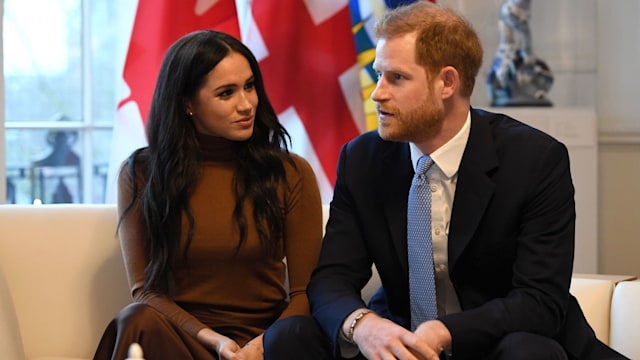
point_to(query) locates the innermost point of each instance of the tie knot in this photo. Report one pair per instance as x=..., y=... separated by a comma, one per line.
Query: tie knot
x=424, y=163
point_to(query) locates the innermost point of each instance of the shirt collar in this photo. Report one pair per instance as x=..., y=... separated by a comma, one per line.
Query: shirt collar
x=448, y=156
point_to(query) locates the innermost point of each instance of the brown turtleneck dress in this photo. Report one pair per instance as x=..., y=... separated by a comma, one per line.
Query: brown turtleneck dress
x=237, y=295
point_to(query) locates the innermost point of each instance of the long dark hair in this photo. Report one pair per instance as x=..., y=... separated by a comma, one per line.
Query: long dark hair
x=172, y=164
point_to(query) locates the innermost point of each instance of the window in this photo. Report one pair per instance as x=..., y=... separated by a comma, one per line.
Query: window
x=62, y=77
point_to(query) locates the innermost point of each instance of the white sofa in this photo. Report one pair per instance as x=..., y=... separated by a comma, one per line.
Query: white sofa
x=62, y=279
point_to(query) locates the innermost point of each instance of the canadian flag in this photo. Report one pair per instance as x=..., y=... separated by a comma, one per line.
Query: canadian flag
x=308, y=59
x=307, y=56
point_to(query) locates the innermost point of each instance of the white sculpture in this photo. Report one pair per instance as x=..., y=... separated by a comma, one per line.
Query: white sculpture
x=517, y=76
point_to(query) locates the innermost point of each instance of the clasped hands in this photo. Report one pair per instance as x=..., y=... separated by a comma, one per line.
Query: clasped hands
x=381, y=339
x=230, y=350
x=227, y=349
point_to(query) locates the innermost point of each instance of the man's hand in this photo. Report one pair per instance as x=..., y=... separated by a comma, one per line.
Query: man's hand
x=253, y=350
x=381, y=339
x=435, y=335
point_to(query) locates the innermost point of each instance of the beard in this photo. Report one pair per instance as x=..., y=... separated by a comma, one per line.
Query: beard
x=416, y=125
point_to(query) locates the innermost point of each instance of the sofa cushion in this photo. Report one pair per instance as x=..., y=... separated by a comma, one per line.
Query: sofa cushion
x=594, y=297
x=625, y=319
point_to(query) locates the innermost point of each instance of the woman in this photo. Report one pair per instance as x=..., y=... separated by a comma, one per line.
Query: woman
x=209, y=210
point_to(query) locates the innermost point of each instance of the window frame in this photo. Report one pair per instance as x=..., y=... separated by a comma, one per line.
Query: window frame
x=86, y=127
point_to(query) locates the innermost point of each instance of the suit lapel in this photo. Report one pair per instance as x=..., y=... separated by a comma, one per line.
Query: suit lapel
x=474, y=189
x=395, y=177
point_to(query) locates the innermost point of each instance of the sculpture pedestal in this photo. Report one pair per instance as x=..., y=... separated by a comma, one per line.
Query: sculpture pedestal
x=577, y=129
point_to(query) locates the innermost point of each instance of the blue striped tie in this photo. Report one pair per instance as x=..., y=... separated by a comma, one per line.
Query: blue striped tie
x=422, y=289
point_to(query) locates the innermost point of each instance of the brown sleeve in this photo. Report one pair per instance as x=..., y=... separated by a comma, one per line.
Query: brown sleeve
x=132, y=243
x=303, y=234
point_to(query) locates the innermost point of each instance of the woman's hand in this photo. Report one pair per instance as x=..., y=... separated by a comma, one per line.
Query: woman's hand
x=226, y=348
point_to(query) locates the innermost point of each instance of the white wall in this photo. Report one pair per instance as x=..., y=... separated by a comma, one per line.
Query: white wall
x=617, y=102
x=618, y=75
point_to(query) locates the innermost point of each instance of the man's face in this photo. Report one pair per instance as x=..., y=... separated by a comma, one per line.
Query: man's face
x=409, y=107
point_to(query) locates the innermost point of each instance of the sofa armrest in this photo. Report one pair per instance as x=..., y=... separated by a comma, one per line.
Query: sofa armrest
x=65, y=273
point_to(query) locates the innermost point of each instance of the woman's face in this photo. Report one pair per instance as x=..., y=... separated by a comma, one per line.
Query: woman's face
x=226, y=104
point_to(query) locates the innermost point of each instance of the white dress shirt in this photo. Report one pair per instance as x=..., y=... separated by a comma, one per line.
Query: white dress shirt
x=443, y=176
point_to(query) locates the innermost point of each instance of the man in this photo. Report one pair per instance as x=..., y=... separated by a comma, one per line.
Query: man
x=500, y=219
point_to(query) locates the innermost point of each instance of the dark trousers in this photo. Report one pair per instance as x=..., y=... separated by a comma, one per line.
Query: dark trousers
x=527, y=346
x=296, y=337
x=300, y=337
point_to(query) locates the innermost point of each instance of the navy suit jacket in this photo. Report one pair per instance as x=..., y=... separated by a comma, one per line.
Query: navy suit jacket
x=511, y=237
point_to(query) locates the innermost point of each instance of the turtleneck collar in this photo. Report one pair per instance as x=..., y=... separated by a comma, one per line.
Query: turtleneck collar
x=214, y=148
